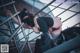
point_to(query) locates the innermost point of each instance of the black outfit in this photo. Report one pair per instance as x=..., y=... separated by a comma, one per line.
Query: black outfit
x=44, y=44
x=44, y=23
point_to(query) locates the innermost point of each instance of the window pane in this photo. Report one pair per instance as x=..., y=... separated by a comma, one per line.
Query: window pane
x=33, y=35
x=57, y=2
x=66, y=15
x=45, y=1
x=57, y=11
x=51, y=7
x=76, y=8
x=66, y=4
x=71, y=22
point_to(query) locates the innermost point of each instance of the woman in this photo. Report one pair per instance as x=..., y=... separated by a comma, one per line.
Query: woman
x=36, y=23
x=51, y=29
x=51, y=25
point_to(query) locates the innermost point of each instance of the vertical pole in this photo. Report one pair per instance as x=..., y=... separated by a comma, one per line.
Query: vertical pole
x=22, y=32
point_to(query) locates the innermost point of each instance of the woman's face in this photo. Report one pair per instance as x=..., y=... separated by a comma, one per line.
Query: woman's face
x=56, y=28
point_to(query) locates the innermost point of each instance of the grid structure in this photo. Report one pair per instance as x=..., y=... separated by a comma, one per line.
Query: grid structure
x=63, y=10
x=67, y=11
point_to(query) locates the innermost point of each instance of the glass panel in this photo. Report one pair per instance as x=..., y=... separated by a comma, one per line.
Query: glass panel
x=57, y=2
x=21, y=36
x=76, y=8
x=57, y=11
x=71, y=22
x=51, y=7
x=66, y=15
x=33, y=35
x=66, y=5
x=45, y=1
x=39, y=5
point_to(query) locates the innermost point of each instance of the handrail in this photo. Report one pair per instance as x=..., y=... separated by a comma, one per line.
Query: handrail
x=45, y=7
x=15, y=32
x=7, y=4
x=10, y=18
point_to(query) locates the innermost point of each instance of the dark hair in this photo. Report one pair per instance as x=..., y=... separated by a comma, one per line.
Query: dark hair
x=29, y=20
x=2, y=12
x=48, y=20
x=23, y=13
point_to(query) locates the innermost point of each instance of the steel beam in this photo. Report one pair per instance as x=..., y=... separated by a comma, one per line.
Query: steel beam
x=15, y=33
x=45, y=7
x=66, y=46
x=66, y=10
x=70, y=17
x=10, y=18
x=7, y=4
x=26, y=36
x=53, y=9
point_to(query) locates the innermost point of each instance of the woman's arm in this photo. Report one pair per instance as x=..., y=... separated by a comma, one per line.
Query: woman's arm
x=9, y=13
x=14, y=18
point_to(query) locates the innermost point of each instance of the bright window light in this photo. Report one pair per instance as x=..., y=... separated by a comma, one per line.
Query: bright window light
x=45, y=1
x=66, y=15
x=66, y=5
x=57, y=11
x=51, y=7
x=71, y=22
x=76, y=8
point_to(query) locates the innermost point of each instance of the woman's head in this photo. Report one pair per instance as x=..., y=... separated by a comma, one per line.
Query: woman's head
x=27, y=17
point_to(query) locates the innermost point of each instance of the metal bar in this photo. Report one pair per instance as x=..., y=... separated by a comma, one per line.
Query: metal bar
x=53, y=9
x=19, y=21
x=35, y=38
x=4, y=33
x=25, y=43
x=32, y=39
x=22, y=31
x=66, y=10
x=7, y=4
x=19, y=32
x=15, y=33
x=26, y=35
x=70, y=17
x=33, y=5
x=28, y=46
x=66, y=46
x=76, y=24
x=10, y=18
x=4, y=29
x=12, y=28
x=45, y=7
